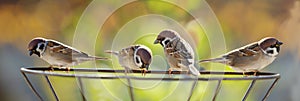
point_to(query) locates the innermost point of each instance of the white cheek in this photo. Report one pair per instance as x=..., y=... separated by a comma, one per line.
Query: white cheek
x=275, y=53
x=138, y=59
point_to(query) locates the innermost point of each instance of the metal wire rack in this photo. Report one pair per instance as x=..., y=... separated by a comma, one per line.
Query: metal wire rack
x=46, y=72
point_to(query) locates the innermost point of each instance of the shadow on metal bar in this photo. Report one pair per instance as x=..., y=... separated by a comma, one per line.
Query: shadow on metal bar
x=239, y=76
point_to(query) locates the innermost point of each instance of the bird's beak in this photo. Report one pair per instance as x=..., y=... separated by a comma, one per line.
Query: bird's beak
x=30, y=53
x=278, y=44
x=156, y=41
x=144, y=71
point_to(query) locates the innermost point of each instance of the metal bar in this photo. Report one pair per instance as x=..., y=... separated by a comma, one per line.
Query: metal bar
x=109, y=73
x=269, y=90
x=217, y=90
x=81, y=88
x=31, y=86
x=109, y=70
x=113, y=76
x=52, y=89
x=130, y=89
x=248, y=90
x=192, y=89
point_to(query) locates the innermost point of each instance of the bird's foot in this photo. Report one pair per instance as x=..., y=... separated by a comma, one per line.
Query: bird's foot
x=170, y=72
x=144, y=72
x=68, y=69
x=51, y=68
x=255, y=72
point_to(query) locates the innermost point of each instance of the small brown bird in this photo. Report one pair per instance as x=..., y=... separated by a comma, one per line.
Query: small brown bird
x=178, y=52
x=252, y=57
x=58, y=54
x=135, y=57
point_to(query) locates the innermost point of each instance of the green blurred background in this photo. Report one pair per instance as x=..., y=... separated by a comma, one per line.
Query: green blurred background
x=242, y=22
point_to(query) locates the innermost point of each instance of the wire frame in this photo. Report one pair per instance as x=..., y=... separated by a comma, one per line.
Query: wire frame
x=41, y=71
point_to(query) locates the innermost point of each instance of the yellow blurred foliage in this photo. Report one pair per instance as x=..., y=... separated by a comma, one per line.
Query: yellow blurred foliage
x=23, y=20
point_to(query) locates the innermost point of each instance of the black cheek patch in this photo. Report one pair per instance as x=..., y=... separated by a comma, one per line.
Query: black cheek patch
x=137, y=60
x=166, y=42
x=270, y=51
x=41, y=47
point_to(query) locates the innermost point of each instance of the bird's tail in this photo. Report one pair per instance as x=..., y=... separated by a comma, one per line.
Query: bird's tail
x=97, y=58
x=194, y=70
x=101, y=58
x=112, y=52
x=219, y=60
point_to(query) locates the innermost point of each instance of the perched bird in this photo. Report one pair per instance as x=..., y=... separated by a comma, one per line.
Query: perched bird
x=252, y=57
x=58, y=54
x=179, y=53
x=134, y=57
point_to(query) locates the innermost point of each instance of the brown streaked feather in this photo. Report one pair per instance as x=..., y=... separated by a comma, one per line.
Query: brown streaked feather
x=178, y=50
x=57, y=47
x=248, y=50
x=241, y=55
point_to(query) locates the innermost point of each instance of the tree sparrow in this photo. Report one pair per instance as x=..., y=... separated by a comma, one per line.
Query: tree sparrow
x=135, y=57
x=179, y=53
x=252, y=57
x=58, y=54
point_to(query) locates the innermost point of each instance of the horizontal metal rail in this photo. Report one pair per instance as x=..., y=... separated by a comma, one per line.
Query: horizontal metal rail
x=108, y=73
x=47, y=71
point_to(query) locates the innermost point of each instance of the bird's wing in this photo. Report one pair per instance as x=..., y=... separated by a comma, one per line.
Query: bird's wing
x=181, y=52
x=248, y=50
x=60, y=48
x=243, y=54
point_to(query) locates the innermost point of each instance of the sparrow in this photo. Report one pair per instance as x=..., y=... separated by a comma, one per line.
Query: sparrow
x=134, y=57
x=179, y=53
x=58, y=54
x=252, y=57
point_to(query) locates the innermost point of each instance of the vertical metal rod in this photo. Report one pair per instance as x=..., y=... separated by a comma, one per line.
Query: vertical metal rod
x=192, y=89
x=248, y=90
x=217, y=90
x=52, y=89
x=269, y=90
x=81, y=88
x=130, y=89
x=31, y=87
